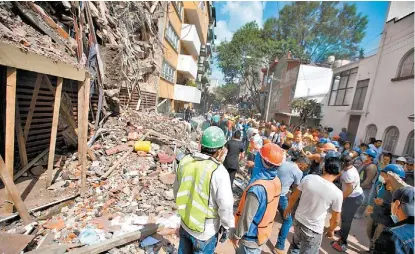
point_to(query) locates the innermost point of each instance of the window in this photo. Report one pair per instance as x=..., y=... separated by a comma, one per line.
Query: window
x=179, y=8
x=371, y=131
x=406, y=66
x=409, y=145
x=168, y=72
x=390, y=139
x=341, y=89
x=172, y=37
x=360, y=94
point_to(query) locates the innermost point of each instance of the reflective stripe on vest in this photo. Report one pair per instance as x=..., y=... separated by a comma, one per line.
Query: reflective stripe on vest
x=273, y=191
x=193, y=195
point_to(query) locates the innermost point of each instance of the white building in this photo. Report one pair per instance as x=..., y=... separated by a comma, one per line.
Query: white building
x=214, y=83
x=375, y=96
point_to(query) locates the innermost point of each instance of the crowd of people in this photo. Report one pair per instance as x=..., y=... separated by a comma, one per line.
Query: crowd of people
x=314, y=180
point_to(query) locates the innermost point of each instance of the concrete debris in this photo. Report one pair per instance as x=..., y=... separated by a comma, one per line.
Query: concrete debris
x=138, y=191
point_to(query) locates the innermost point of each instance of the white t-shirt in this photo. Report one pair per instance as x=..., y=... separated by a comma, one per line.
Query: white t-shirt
x=317, y=197
x=352, y=176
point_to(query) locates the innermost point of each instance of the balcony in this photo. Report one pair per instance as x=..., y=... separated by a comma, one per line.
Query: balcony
x=190, y=39
x=187, y=93
x=187, y=66
x=207, y=62
x=194, y=14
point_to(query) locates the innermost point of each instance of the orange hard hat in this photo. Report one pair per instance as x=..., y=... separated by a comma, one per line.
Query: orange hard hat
x=272, y=153
x=328, y=147
x=335, y=138
x=267, y=141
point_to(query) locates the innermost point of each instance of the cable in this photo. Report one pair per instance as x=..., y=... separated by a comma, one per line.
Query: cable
x=396, y=41
x=396, y=49
x=405, y=34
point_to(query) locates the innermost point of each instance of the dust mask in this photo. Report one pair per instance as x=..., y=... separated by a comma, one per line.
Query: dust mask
x=394, y=217
x=382, y=180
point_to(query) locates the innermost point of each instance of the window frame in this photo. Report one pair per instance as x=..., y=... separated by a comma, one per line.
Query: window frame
x=386, y=140
x=179, y=7
x=169, y=40
x=406, y=56
x=344, y=74
x=360, y=90
x=408, y=143
x=162, y=74
x=367, y=137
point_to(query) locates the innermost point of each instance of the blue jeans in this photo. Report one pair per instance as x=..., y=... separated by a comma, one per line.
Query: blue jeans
x=242, y=249
x=188, y=244
x=286, y=223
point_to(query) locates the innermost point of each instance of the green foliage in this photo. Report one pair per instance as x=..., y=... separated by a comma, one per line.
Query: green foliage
x=306, y=108
x=227, y=92
x=191, y=83
x=361, y=53
x=321, y=28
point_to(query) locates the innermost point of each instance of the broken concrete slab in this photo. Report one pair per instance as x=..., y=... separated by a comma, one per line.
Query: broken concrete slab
x=14, y=243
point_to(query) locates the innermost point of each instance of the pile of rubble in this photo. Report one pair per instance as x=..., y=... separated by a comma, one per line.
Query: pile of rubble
x=138, y=191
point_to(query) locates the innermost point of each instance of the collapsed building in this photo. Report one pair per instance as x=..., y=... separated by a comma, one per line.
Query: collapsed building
x=79, y=89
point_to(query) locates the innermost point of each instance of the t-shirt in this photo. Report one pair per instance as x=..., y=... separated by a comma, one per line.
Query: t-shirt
x=317, y=197
x=352, y=176
x=289, y=174
x=235, y=147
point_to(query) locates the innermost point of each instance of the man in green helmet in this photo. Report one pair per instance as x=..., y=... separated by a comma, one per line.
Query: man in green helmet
x=204, y=195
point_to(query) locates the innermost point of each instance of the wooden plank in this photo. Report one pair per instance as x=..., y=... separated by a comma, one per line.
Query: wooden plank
x=83, y=138
x=65, y=110
x=21, y=141
x=119, y=240
x=56, y=107
x=30, y=164
x=32, y=106
x=10, y=122
x=81, y=131
x=13, y=56
x=14, y=193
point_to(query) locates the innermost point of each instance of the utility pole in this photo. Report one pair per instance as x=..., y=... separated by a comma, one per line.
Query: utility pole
x=269, y=95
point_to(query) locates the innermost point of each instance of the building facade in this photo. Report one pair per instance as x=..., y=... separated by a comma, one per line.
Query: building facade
x=292, y=80
x=375, y=96
x=188, y=39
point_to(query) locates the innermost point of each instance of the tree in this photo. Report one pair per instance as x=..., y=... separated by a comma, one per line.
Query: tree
x=320, y=28
x=242, y=58
x=228, y=92
x=361, y=53
x=306, y=108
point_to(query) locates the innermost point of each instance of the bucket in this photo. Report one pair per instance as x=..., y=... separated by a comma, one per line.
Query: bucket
x=144, y=146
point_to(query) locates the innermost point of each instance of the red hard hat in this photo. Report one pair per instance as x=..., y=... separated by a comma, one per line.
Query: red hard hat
x=272, y=153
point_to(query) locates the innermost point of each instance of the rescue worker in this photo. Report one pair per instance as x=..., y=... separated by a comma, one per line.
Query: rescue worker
x=258, y=206
x=318, y=196
x=379, y=212
x=409, y=174
x=368, y=178
x=315, y=159
x=399, y=238
x=204, y=196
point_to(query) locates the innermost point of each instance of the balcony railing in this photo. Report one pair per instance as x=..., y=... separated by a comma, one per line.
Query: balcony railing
x=187, y=93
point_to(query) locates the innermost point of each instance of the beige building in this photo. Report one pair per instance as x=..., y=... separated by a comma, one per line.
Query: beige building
x=187, y=40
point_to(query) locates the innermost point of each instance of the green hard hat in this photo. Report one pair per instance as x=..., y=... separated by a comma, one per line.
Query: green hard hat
x=213, y=137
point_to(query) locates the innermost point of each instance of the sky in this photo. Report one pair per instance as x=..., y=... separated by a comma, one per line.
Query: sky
x=232, y=15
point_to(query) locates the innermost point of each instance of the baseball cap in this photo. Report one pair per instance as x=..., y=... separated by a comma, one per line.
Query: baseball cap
x=406, y=196
x=401, y=159
x=410, y=161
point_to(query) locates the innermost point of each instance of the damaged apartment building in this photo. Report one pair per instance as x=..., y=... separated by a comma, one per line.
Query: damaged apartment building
x=74, y=72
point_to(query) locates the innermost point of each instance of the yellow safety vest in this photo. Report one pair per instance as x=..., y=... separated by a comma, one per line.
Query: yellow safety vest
x=192, y=199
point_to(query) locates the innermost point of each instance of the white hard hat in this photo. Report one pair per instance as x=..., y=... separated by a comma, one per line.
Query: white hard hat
x=401, y=159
